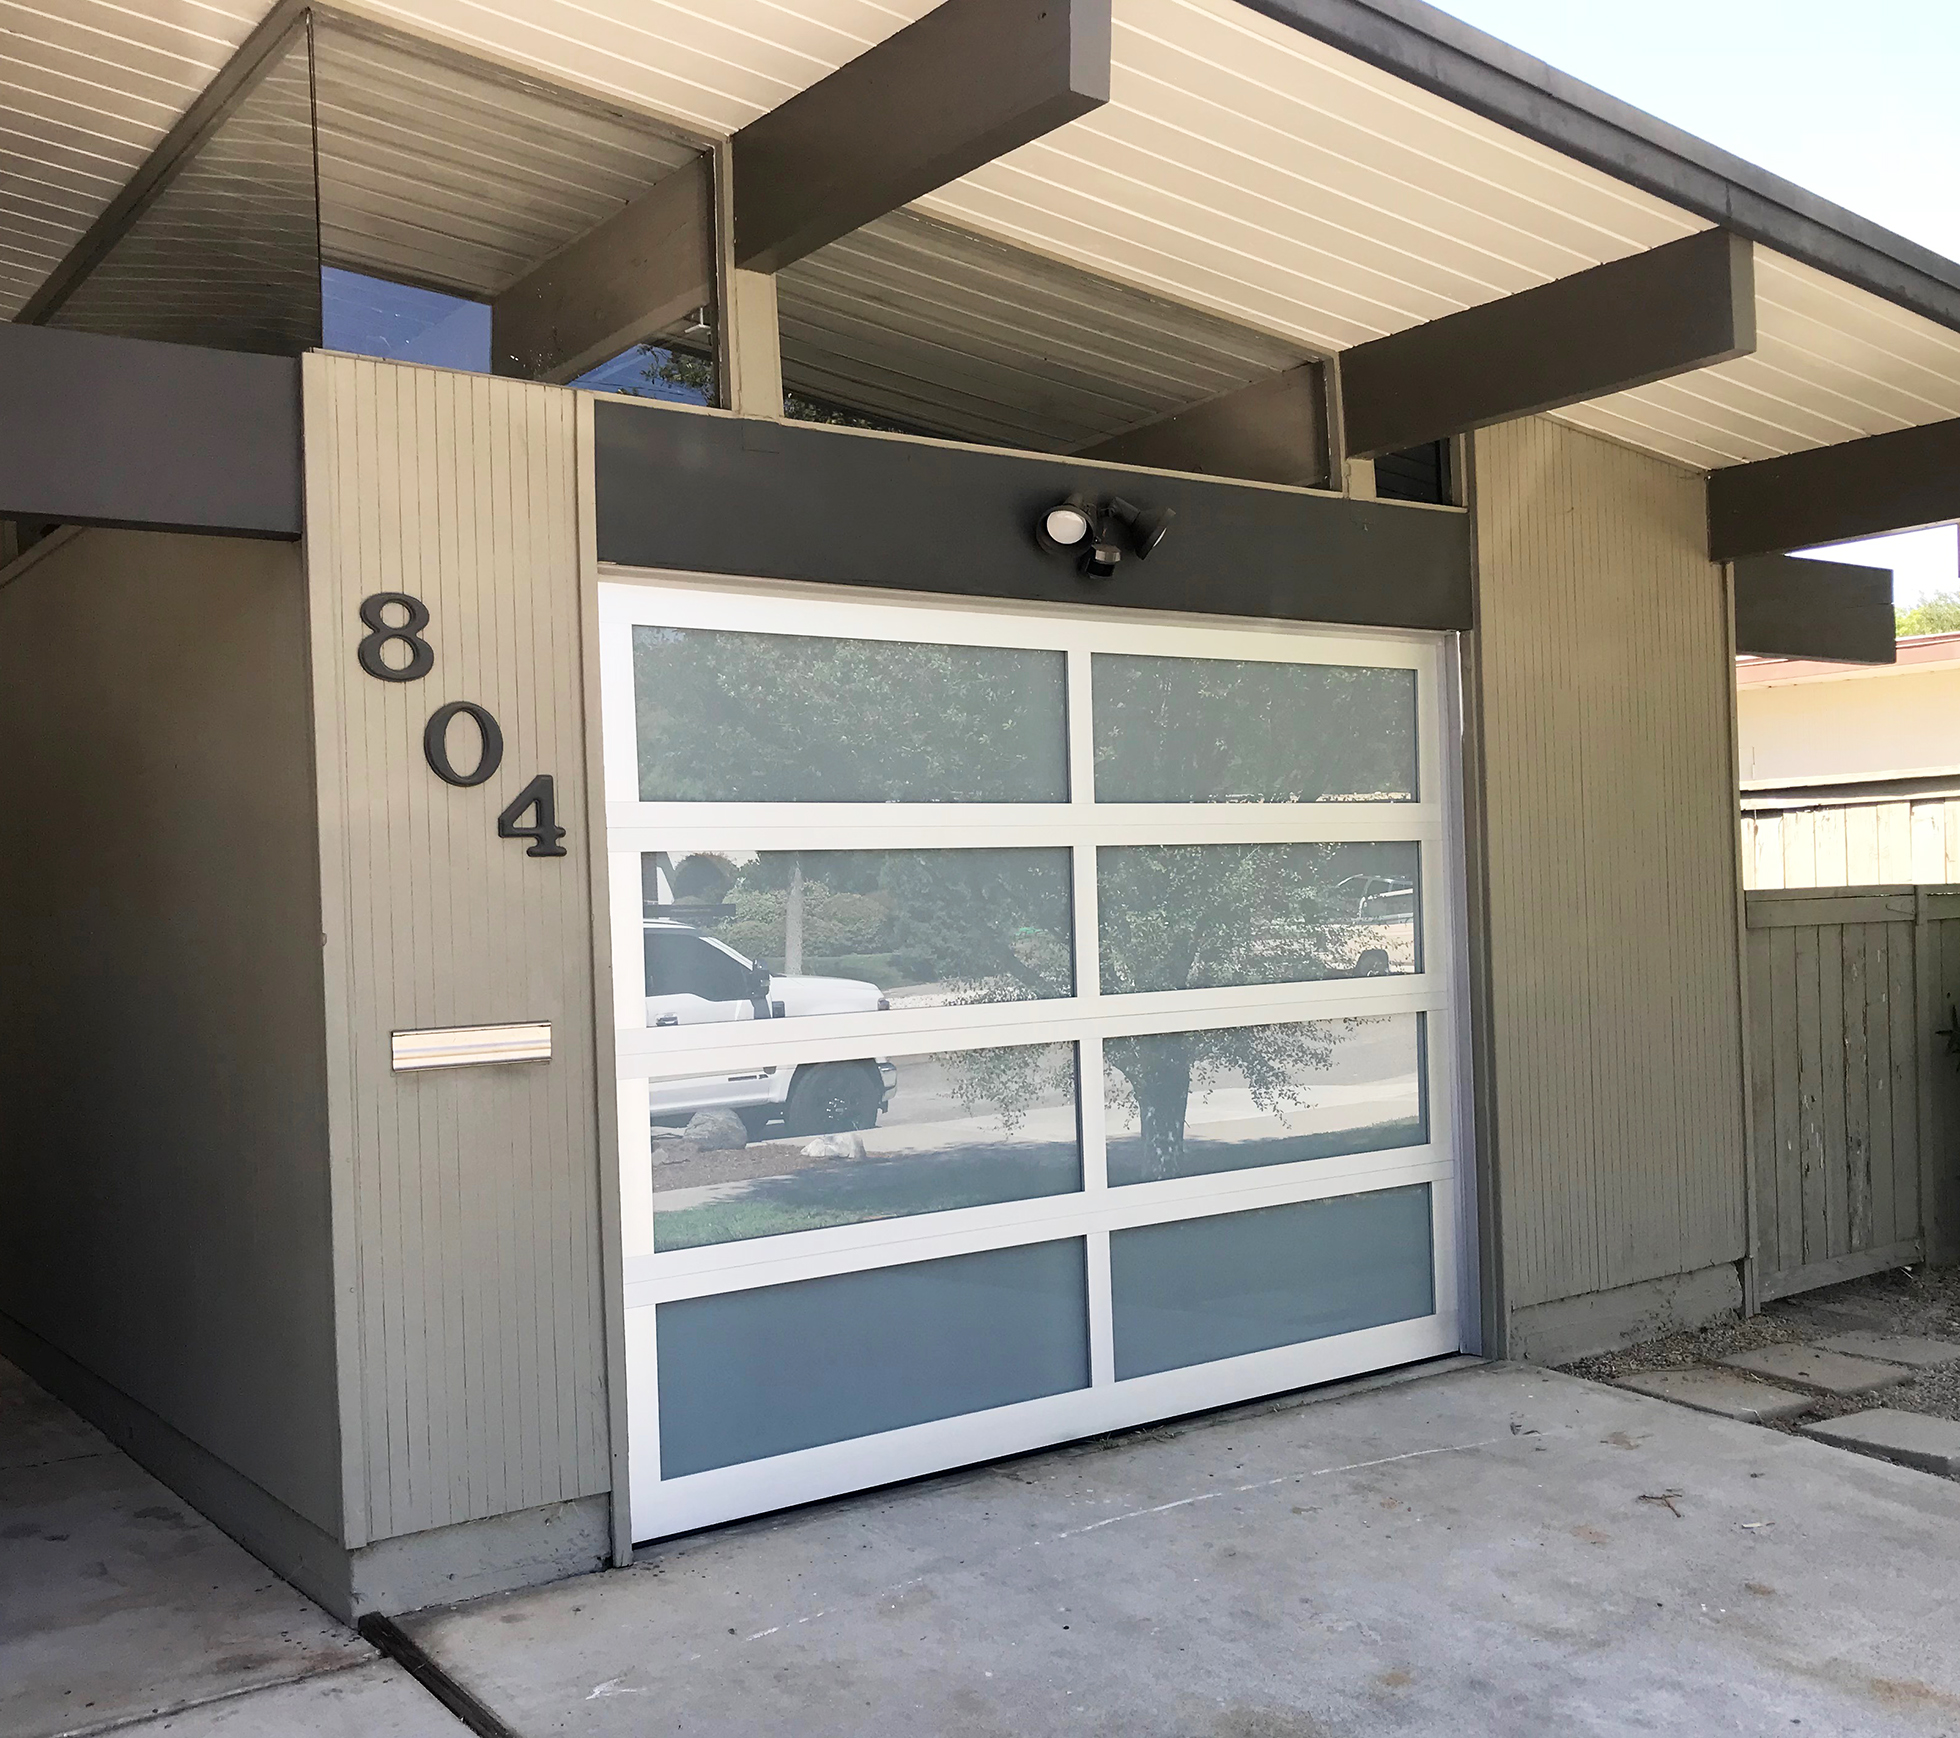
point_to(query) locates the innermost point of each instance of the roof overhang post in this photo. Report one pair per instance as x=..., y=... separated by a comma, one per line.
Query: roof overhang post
x=1789, y=606
x=1863, y=488
x=968, y=82
x=1668, y=311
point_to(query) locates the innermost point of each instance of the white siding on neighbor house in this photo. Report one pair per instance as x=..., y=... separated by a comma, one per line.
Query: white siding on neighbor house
x=467, y=1200
x=1885, y=721
x=1603, y=664
x=1907, y=840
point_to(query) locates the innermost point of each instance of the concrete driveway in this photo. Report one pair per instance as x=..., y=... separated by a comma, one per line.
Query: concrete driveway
x=1490, y=1550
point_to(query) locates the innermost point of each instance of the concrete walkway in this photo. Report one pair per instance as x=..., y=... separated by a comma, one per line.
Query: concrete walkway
x=119, y=1604
x=1492, y=1550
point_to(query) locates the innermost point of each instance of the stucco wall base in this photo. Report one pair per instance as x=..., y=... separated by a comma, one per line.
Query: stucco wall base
x=1603, y=1321
x=436, y=1567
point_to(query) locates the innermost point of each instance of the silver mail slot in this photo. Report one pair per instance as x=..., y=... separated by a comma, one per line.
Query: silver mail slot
x=470, y=1046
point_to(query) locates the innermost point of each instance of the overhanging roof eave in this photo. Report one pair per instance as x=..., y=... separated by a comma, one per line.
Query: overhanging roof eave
x=1427, y=48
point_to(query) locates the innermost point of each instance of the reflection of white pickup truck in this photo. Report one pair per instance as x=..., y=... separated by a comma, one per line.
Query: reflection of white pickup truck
x=692, y=979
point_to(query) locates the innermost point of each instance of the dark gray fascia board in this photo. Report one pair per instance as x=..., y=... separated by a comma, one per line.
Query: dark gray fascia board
x=1272, y=431
x=1437, y=53
x=968, y=82
x=1789, y=606
x=126, y=432
x=699, y=492
x=1858, y=488
x=1688, y=304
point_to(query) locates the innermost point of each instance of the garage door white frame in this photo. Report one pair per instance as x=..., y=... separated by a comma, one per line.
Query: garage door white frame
x=632, y=597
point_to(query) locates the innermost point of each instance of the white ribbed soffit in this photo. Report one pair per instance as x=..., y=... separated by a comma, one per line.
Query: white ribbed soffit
x=1241, y=168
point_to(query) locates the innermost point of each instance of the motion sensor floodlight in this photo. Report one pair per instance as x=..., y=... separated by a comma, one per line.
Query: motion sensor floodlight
x=1065, y=526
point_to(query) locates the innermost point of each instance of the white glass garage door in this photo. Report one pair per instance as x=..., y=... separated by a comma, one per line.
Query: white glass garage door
x=1029, y=1023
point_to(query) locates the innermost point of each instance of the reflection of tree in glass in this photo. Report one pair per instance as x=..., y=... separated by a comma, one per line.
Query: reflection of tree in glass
x=1226, y=730
x=1154, y=1077
x=1011, y=1081
x=1202, y=917
x=735, y=717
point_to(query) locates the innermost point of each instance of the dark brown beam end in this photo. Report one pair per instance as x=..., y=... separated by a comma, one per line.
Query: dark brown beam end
x=1273, y=431
x=627, y=279
x=966, y=83
x=122, y=431
x=1861, y=488
x=1789, y=606
x=1687, y=305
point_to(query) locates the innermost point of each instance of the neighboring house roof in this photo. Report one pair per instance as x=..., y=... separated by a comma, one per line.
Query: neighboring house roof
x=1916, y=652
x=1324, y=171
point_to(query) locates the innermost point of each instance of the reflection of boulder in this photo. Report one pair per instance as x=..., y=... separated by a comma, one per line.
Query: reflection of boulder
x=715, y=1131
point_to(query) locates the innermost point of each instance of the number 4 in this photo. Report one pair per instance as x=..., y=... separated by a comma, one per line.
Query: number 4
x=545, y=832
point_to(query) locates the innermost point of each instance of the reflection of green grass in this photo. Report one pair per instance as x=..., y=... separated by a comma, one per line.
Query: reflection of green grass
x=1203, y=1158
x=732, y=1221
x=849, y=1192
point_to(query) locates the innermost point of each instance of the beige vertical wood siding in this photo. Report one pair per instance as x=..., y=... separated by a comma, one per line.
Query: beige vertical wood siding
x=1909, y=840
x=1616, y=993
x=467, y=1200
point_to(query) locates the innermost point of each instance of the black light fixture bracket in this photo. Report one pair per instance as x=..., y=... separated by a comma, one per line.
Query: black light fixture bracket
x=1095, y=534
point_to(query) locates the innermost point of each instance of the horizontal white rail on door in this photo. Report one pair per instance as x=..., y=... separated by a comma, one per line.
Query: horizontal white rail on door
x=799, y=1255
x=650, y=1052
x=679, y=827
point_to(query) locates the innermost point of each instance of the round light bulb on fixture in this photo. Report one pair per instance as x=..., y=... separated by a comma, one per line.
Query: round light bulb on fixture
x=1066, y=524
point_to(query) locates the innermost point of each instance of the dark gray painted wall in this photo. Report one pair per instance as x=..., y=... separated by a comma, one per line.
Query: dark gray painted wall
x=716, y=494
x=164, y=1214
x=121, y=431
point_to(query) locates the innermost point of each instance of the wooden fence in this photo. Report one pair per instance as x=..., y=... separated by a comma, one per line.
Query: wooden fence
x=1854, y=1092
x=1905, y=839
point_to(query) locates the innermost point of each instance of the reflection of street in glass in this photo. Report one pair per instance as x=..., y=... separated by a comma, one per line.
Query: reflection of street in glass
x=1187, y=1104
x=964, y=1129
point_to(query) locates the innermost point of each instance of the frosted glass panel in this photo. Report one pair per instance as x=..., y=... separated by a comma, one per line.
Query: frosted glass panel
x=754, y=1373
x=789, y=718
x=1205, y=917
x=1187, y=1104
x=1224, y=730
x=837, y=1143
x=1198, y=1290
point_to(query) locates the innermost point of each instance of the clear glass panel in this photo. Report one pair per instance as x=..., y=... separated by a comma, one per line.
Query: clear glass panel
x=753, y=1373
x=228, y=253
x=1202, y=1289
x=1187, y=1104
x=373, y=317
x=1222, y=730
x=1202, y=917
x=782, y=1149
x=790, y=718
x=849, y=932
x=681, y=371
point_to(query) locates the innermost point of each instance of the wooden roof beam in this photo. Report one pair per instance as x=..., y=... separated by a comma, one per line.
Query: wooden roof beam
x=1686, y=305
x=1862, y=488
x=1789, y=606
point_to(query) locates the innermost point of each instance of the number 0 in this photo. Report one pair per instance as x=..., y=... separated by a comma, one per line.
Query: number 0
x=544, y=832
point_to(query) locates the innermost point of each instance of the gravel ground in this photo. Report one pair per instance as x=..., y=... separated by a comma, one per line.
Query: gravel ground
x=1919, y=1301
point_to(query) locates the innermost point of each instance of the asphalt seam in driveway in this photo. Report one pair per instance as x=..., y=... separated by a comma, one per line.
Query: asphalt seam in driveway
x=387, y=1635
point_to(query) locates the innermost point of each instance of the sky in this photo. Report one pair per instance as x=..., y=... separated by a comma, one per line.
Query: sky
x=1859, y=103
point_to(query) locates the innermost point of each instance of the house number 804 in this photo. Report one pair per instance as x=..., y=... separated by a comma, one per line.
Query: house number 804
x=538, y=798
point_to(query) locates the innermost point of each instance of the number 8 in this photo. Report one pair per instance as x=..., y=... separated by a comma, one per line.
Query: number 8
x=421, y=655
